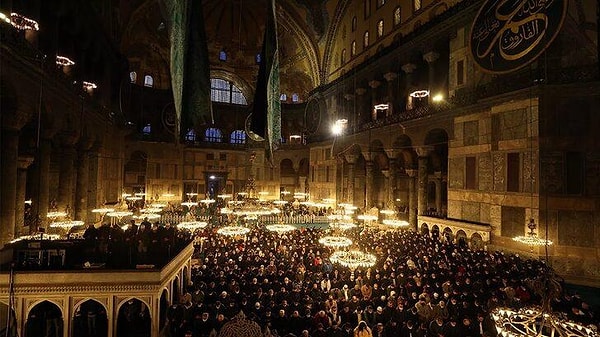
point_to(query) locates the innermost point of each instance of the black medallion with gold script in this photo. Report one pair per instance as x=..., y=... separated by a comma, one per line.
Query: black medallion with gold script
x=509, y=34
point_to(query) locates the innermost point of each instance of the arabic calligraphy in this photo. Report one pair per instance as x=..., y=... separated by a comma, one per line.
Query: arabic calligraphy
x=508, y=34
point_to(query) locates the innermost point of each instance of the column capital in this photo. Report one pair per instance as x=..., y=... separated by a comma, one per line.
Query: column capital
x=409, y=68
x=390, y=76
x=423, y=151
x=437, y=174
x=368, y=155
x=392, y=153
x=374, y=84
x=431, y=57
x=360, y=91
x=411, y=172
x=23, y=162
x=348, y=97
x=351, y=158
x=386, y=173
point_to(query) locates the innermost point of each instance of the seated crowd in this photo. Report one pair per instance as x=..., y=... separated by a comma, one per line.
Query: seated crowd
x=421, y=286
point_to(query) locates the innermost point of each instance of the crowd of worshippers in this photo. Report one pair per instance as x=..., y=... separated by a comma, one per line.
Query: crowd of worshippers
x=145, y=243
x=421, y=286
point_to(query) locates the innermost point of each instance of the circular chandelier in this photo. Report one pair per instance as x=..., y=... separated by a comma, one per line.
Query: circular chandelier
x=39, y=236
x=280, y=202
x=419, y=93
x=134, y=198
x=151, y=210
x=339, y=217
x=233, y=230
x=226, y=210
x=66, y=224
x=396, y=223
x=103, y=210
x=158, y=205
x=224, y=196
x=207, y=201
x=335, y=241
x=56, y=214
x=119, y=214
x=189, y=203
x=367, y=217
x=280, y=228
x=533, y=321
x=192, y=225
x=343, y=226
x=149, y=216
x=64, y=61
x=387, y=211
x=353, y=259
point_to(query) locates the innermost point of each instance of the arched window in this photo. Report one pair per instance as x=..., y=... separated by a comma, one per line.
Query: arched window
x=258, y=58
x=380, y=28
x=238, y=137
x=295, y=98
x=353, y=48
x=380, y=3
x=354, y=23
x=343, y=58
x=397, y=16
x=190, y=136
x=367, y=8
x=133, y=76
x=222, y=55
x=146, y=130
x=148, y=81
x=283, y=97
x=226, y=92
x=366, y=39
x=213, y=135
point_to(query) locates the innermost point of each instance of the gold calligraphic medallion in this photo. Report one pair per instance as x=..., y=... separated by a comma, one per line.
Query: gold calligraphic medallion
x=507, y=35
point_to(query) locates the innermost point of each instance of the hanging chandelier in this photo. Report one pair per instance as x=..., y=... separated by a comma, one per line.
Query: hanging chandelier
x=280, y=228
x=531, y=238
x=158, y=205
x=533, y=321
x=233, y=230
x=343, y=226
x=149, y=216
x=103, y=210
x=56, y=214
x=151, y=210
x=367, y=217
x=335, y=241
x=353, y=259
x=189, y=203
x=396, y=223
x=192, y=225
x=66, y=224
x=119, y=214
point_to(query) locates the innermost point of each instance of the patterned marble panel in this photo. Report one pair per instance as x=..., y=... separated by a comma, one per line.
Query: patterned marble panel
x=513, y=221
x=530, y=160
x=513, y=124
x=552, y=172
x=575, y=229
x=456, y=169
x=471, y=211
x=499, y=171
x=471, y=132
x=485, y=178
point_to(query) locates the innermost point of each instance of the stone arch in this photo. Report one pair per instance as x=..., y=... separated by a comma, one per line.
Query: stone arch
x=403, y=145
x=133, y=318
x=44, y=317
x=424, y=229
x=448, y=234
x=437, y=10
x=336, y=23
x=175, y=290
x=477, y=242
x=461, y=237
x=246, y=88
x=90, y=318
x=163, y=305
x=435, y=231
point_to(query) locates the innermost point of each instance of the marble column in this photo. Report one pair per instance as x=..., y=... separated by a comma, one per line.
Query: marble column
x=374, y=85
x=369, y=180
x=81, y=186
x=350, y=110
x=8, y=188
x=408, y=69
x=431, y=57
x=412, y=198
x=92, y=196
x=438, y=191
x=41, y=183
x=362, y=111
x=390, y=77
x=22, y=164
x=351, y=162
x=387, y=189
x=392, y=181
x=423, y=160
x=66, y=177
